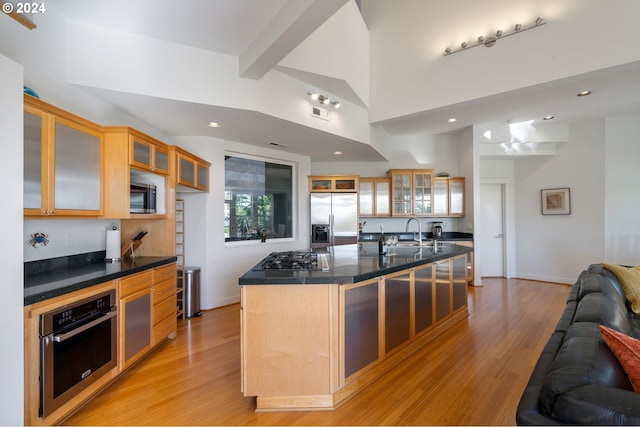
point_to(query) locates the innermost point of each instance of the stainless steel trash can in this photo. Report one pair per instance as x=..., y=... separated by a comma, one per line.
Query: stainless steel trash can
x=191, y=291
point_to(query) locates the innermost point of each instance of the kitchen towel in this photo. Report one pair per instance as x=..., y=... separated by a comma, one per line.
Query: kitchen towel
x=113, y=245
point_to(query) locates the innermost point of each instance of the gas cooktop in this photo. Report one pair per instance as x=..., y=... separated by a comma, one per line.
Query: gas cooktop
x=295, y=260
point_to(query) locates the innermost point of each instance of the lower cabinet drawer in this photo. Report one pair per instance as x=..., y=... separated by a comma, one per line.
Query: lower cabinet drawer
x=163, y=290
x=163, y=329
x=167, y=308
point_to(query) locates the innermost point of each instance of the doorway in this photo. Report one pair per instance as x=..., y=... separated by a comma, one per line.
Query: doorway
x=491, y=234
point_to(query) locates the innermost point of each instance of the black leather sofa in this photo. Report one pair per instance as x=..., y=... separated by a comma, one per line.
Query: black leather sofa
x=577, y=379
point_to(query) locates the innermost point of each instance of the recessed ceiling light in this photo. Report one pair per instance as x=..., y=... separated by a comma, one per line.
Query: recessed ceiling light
x=548, y=118
x=584, y=93
x=214, y=124
x=337, y=153
x=452, y=120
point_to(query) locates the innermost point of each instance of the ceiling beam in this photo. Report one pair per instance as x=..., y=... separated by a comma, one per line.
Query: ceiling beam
x=293, y=24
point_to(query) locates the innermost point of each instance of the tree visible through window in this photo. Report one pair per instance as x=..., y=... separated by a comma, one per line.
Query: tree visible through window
x=258, y=199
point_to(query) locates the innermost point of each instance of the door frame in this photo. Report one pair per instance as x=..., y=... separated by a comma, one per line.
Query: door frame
x=508, y=218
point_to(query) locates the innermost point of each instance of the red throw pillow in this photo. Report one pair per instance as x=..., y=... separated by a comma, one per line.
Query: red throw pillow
x=627, y=350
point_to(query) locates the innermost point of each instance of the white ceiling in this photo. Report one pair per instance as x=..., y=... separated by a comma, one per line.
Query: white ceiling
x=231, y=26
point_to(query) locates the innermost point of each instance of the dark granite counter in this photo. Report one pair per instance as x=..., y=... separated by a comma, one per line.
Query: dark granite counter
x=449, y=236
x=51, y=278
x=352, y=264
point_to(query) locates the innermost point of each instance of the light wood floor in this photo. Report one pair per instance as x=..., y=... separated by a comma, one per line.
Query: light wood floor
x=473, y=374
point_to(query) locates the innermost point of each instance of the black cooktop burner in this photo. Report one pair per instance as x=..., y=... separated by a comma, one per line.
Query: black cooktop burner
x=291, y=260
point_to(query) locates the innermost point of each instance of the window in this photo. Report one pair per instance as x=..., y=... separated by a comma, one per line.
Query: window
x=258, y=199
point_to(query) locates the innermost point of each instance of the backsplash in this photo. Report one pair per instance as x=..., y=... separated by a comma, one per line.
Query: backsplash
x=65, y=237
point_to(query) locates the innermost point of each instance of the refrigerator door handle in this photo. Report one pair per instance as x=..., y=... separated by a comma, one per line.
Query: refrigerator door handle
x=331, y=237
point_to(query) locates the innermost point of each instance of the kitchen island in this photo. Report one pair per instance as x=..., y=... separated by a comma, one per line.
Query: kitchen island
x=310, y=338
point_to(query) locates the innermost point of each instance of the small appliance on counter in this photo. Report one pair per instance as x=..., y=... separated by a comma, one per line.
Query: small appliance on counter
x=437, y=229
x=113, y=245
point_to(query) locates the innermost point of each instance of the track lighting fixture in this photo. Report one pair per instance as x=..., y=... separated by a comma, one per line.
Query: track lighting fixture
x=323, y=99
x=490, y=40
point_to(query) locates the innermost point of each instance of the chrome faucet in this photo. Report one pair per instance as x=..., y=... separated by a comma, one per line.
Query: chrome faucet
x=406, y=228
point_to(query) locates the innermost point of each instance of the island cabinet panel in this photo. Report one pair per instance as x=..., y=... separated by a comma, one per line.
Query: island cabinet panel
x=289, y=345
x=443, y=289
x=361, y=326
x=310, y=346
x=423, y=299
x=459, y=282
x=397, y=308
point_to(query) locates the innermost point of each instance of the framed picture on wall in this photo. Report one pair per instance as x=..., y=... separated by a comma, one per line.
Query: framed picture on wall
x=556, y=201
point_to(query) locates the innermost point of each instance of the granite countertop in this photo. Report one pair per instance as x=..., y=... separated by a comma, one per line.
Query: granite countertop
x=352, y=264
x=450, y=236
x=44, y=282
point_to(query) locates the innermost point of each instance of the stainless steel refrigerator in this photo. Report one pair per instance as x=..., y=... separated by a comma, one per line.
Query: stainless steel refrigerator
x=334, y=219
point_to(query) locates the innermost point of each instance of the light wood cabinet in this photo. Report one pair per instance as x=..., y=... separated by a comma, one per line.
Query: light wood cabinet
x=148, y=154
x=361, y=326
x=341, y=337
x=164, y=300
x=147, y=312
x=333, y=183
x=32, y=356
x=411, y=192
x=62, y=162
x=121, y=169
x=192, y=171
x=134, y=320
x=397, y=308
x=374, y=196
x=448, y=196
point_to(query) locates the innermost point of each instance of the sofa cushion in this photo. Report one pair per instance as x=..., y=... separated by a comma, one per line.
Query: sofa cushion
x=627, y=350
x=582, y=360
x=604, y=308
x=629, y=278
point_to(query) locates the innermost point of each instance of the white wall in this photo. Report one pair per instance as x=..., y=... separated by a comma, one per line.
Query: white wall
x=223, y=263
x=11, y=291
x=622, y=191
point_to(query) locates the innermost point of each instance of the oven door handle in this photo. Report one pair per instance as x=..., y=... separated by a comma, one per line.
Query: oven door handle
x=62, y=337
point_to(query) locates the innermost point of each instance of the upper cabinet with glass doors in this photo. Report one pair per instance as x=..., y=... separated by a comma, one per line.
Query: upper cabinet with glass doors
x=193, y=172
x=411, y=192
x=148, y=155
x=62, y=162
x=448, y=196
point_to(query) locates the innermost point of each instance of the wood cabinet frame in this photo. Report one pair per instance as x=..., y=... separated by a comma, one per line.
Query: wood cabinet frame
x=50, y=115
x=333, y=183
x=376, y=194
x=300, y=370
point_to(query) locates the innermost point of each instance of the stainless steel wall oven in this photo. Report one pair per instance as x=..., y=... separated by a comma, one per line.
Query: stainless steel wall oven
x=78, y=344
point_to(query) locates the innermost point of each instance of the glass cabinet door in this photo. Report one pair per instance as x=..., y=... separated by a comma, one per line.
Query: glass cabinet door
x=77, y=169
x=187, y=172
x=203, y=176
x=401, y=193
x=440, y=197
x=456, y=197
x=141, y=153
x=32, y=161
x=421, y=193
x=161, y=160
x=366, y=196
x=382, y=197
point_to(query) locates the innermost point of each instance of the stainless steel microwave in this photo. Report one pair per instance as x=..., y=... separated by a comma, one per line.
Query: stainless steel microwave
x=142, y=198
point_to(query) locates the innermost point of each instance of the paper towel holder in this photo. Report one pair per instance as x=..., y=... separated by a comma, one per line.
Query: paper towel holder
x=111, y=252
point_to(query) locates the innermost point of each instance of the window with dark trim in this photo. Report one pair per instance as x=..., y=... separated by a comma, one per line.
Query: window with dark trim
x=258, y=199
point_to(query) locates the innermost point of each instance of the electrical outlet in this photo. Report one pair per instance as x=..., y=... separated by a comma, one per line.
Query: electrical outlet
x=469, y=226
x=68, y=240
